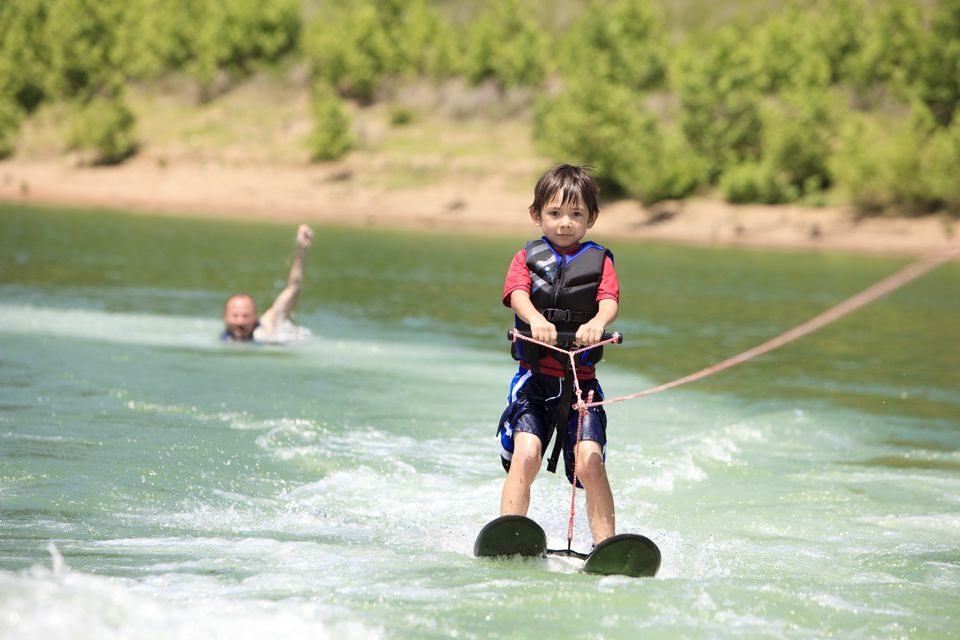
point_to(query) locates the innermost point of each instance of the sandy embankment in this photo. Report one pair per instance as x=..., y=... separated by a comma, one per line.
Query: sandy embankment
x=483, y=203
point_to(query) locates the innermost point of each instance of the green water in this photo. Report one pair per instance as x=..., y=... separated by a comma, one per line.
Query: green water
x=333, y=487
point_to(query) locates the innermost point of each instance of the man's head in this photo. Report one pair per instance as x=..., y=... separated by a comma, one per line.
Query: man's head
x=240, y=316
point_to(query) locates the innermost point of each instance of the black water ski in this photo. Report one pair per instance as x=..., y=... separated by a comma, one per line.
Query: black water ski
x=627, y=554
x=510, y=535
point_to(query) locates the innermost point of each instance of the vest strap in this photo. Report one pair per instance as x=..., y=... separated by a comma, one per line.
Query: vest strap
x=565, y=315
x=560, y=425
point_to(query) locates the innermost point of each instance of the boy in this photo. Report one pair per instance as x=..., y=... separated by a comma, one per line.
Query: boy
x=240, y=313
x=558, y=283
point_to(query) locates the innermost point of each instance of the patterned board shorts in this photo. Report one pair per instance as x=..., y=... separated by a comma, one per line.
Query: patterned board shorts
x=532, y=408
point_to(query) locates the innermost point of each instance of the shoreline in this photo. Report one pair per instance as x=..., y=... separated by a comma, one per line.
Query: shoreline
x=482, y=202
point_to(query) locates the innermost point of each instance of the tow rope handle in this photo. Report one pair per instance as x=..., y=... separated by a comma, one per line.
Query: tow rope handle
x=570, y=386
x=564, y=338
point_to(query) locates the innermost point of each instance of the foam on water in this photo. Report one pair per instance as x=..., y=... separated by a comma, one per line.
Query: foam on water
x=42, y=603
x=338, y=495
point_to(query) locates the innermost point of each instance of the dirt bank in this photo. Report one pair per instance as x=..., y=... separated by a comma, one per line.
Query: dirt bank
x=472, y=201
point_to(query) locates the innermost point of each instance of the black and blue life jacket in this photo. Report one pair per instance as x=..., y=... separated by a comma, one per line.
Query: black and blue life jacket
x=564, y=289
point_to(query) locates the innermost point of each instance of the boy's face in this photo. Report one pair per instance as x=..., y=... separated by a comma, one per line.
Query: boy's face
x=564, y=225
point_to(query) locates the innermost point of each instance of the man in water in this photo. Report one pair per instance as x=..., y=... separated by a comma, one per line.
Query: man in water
x=240, y=312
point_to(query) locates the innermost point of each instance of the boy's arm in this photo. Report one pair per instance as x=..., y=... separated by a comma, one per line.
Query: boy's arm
x=540, y=328
x=282, y=307
x=591, y=331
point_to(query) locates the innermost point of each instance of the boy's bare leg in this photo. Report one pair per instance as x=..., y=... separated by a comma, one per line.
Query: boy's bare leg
x=515, y=499
x=593, y=476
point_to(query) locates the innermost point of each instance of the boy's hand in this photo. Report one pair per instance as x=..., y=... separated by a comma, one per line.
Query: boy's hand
x=544, y=331
x=589, y=333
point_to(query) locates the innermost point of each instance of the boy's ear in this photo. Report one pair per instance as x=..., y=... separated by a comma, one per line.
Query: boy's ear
x=534, y=215
x=593, y=218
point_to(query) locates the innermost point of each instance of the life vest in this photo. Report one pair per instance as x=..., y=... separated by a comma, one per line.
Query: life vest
x=564, y=289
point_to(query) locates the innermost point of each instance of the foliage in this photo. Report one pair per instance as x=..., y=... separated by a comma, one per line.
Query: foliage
x=158, y=36
x=102, y=130
x=939, y=84
x=82, y=37
x=506, y=44
x=24, y=58
x=892, y=54
x=24, y=54
x=797, y=139
x=11, y=115
x=719, y=87
x=755, y=182
x=940, y=164
x=620, y=42
x=210, y=40
x=606, y=126
x=854, y=96
x=86, y=72
x=909, y=165
x=788, y=55
x=356, y=46
x=330, y=138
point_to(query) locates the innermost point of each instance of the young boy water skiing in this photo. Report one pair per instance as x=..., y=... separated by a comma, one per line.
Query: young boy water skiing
x=559, y=284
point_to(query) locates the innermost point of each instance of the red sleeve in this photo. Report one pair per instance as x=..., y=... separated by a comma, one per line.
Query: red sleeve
x=518, y=277
x=609, y=283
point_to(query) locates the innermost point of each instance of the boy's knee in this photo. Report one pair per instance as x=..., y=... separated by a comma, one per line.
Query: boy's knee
x=527, y=459
x=590, y=469
x=526, y=454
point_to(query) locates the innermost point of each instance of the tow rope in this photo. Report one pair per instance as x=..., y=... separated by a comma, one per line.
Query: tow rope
x=905, y=275
x=891, y=283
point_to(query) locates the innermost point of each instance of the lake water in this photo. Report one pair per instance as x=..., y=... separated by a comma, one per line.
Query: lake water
x=156, y=483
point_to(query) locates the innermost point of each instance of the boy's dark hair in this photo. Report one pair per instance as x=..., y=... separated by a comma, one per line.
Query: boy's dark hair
x=573, y=181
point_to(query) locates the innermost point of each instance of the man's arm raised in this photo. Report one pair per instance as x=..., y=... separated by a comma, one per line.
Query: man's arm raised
x=282, y=307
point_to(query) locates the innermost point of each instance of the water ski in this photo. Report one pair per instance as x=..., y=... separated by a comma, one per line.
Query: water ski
x=510, y=535
x=626, y=554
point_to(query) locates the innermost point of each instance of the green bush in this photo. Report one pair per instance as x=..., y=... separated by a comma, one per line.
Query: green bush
x=235, y=36
x=606, y=126
x=939, y=78
x=798, y=132
x=621, y=42
x=788, y=55
x=940, y=167
x=24, y=55
x=331, y=138
x=506, y=44
x=84, y=60
x=718, y=83
x=207, y=39
x=356, y=46
x=158, y=36
x=102, y=130
x=756, y=182
x=11, y=115
x=891, y=52
x=898, y=165
x=837, y=28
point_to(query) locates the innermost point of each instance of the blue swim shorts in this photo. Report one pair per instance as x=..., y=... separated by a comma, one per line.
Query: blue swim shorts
x=532, y=407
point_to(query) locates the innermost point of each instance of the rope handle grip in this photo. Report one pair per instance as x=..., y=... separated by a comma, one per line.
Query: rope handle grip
x=566, y=337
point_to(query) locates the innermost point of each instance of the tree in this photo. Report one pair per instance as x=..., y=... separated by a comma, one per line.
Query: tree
x=507, y=45
x=620, y=42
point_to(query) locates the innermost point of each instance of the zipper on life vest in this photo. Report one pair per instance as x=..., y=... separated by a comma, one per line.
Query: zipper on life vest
x=562, y=263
